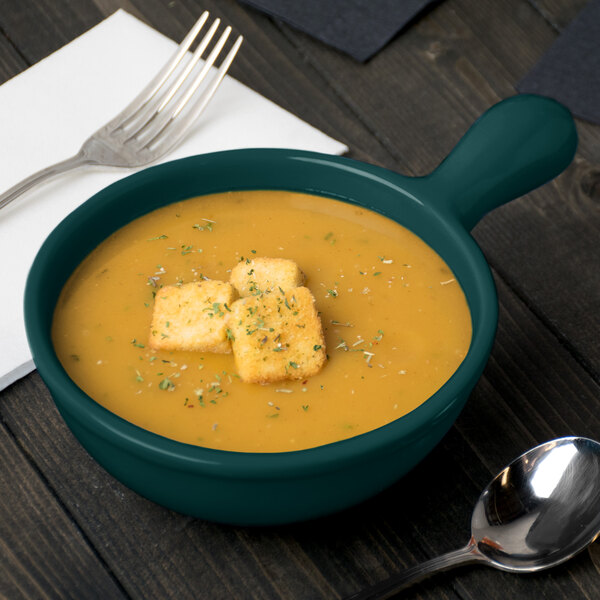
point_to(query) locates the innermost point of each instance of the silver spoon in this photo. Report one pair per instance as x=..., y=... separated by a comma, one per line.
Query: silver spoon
x=541, y=510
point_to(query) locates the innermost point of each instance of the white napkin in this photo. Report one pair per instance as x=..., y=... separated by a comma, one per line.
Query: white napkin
x=47, y=112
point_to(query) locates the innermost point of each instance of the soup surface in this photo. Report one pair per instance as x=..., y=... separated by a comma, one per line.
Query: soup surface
x=395, y=320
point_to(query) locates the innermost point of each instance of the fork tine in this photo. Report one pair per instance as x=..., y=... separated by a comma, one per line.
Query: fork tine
x=191, y=64
x=205, y=69
x=108, y=146
x=175, y=128
x=136, y=123
x=151, y=128
x=157, y=82
x=208, y=93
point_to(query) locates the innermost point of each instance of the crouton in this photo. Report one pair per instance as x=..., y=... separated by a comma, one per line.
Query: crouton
x=276, y=336
x=192, y=317
x=251, y=277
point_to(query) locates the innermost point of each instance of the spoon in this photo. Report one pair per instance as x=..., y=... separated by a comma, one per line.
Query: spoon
x=539, y=511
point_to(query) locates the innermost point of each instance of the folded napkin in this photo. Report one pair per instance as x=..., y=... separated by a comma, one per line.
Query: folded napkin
x=46, y=113
x=570, y=70
x=359, y=28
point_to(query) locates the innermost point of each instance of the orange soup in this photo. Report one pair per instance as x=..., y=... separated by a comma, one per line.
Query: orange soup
x=396, y=323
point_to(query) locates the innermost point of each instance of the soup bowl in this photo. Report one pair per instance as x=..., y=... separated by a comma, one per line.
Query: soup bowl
x=517, y=145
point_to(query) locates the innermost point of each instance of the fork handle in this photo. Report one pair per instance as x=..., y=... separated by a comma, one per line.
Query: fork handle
x=52, y=171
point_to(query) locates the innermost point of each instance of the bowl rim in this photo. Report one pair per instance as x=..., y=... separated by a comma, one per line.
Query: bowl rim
x=75, y=404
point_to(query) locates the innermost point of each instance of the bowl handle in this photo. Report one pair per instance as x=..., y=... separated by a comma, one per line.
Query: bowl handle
x=515, y=146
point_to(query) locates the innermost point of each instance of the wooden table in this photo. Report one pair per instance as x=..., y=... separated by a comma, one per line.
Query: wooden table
x=69, y=530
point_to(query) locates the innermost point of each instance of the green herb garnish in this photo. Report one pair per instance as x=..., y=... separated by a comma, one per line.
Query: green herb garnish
x=166, y=384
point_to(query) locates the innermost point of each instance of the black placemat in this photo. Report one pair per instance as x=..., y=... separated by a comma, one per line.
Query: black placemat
x=570, y=70
x=359, y=28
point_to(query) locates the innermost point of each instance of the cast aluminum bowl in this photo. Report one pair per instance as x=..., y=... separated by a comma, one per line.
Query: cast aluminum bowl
x=514, y=147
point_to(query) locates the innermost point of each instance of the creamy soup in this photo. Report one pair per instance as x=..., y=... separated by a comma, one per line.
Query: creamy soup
x=395, y=321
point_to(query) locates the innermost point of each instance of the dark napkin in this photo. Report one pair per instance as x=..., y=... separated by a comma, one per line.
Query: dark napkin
x=570, y=70
x=359, y=28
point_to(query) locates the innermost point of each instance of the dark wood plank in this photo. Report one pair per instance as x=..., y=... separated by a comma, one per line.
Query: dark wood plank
x=267, y=60
x=404, y=110
x=157, y=553
x=272, y=66
x=40, y=27
x=153, y=552
x=516, y=405
x=559, y=13
x=11, y=63
x=442, y=74
x=555, y=265
x=42, y=552
x=108, y=7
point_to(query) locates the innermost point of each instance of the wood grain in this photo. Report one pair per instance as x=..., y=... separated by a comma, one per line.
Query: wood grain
x=11, y=63
x=558, y=12
x=43, y=553
x=39, y=28
x=405, y=109
x=157, y=553
x=442, y=74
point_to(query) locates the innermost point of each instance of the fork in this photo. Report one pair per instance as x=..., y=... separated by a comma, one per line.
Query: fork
x=158, y=117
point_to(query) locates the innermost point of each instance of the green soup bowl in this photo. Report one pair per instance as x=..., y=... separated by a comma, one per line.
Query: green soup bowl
x=517, y=145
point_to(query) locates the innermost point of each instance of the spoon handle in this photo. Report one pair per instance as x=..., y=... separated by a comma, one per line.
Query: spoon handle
x=396, y=583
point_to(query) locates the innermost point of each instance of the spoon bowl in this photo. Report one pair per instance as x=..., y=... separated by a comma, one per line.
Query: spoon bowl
x=539, y=511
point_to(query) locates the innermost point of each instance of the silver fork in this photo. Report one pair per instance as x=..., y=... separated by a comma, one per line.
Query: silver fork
x=156, y=120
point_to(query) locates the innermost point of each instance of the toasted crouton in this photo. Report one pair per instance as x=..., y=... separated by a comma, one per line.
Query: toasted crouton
x=277, y=336
x=251, y=277
x=192, y=317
